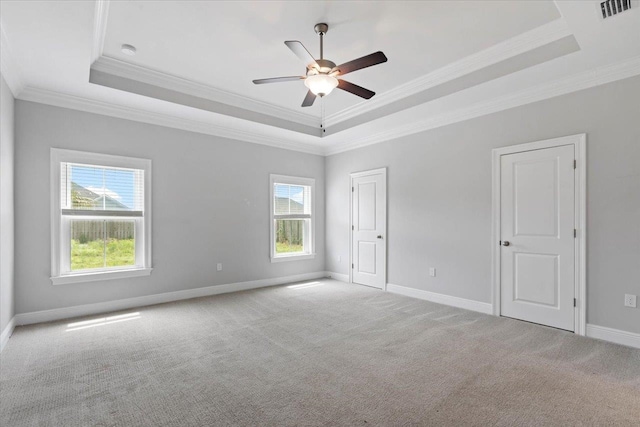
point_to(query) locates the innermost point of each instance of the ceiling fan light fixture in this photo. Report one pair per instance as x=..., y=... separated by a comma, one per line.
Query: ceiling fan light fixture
x=321, y=84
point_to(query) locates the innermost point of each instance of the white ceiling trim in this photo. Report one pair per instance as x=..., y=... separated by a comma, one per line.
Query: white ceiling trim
x=146, y=75
x=517, y=45
x=576, y=82
x=166, y=81
x=8, y=66
x=584, y=80
x=99, y=28
x=64, y=100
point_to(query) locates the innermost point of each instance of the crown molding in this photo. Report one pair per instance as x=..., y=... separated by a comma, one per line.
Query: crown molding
x=8, y=66
x=517, y=45
x=576, y=82
x=74, y=102
x=138, y=73
x=120, y=68
x=573, y=83
x=99, y=28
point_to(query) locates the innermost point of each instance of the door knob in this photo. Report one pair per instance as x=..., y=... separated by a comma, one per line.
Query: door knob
x=379, y=236
x=505, y=243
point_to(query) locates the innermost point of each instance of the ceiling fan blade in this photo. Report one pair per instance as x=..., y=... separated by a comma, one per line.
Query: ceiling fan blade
x=278, y=80
x=360, y=63
x=302, y=53
x=308, y=100
x=355, y=89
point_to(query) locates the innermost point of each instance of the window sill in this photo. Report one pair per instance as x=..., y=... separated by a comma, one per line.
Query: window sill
x=102, y=275
x=284, y=258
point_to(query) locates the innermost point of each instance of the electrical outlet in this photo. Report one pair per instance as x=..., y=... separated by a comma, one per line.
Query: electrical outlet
x=630, y=301
x=432, y=272
x=219, y=267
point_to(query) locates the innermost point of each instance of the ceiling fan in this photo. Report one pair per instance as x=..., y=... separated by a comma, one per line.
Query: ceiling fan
x=322, y=75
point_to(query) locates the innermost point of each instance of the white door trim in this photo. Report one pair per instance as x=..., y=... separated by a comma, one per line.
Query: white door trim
x=579, y=141
x=354, y=175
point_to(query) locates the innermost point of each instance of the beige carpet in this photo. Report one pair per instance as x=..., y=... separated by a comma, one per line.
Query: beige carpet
x=326, y=353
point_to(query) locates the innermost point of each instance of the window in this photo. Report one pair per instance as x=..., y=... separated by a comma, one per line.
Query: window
x=100, y=216
x=292, y=222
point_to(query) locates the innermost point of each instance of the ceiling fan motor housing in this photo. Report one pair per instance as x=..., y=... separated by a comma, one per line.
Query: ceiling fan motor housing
x=324, y=67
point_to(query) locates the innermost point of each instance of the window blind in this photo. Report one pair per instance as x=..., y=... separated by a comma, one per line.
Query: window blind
x=90, y=190
x=291, y=201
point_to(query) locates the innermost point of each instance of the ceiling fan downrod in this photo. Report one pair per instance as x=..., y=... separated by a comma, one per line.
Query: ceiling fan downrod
x=321, y=30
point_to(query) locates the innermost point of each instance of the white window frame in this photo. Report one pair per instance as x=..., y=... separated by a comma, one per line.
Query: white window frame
x=60, y=231
x=292, y=180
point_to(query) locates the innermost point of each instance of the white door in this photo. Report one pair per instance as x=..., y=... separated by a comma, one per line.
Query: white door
x=369, y=223
x=537, y=236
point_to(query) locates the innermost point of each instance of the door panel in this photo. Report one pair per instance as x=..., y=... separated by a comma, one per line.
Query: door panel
x=367, y=206
x=367, y=257
x=536, y=279
x=537, y=221
x=369, y=209
x=536, y=208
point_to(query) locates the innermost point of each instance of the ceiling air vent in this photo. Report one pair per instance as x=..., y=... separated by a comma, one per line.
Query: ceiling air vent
x=610, y=8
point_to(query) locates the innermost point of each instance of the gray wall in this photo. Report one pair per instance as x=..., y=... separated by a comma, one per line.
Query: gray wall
x=439, y=201
x=439, y=198
x=210, y=203
x=6, y=204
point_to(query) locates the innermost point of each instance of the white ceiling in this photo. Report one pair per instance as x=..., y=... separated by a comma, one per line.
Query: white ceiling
x=228, y=44
x=49, y=46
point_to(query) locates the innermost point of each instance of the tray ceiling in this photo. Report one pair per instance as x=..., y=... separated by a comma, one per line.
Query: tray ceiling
x=228, y=44
x=448, y=61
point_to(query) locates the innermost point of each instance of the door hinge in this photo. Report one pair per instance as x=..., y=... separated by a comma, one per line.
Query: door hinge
x=575, y=233
x=353, y=227
x=575, y=302
x=353, y=189
x=352, y=266
x=575, y=164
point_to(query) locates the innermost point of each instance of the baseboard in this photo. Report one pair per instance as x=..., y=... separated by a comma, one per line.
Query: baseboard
x=123, y=304
x=613, y=335
x=467, y=304
x=338, y=276
x=6, y=334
